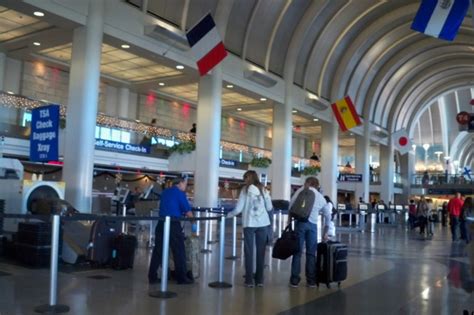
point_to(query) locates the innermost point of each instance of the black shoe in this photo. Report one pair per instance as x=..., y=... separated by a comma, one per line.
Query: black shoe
x=186, y=281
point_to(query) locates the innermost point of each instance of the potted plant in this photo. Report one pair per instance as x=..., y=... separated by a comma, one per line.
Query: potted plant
x=311, y=170
x=183, y=147
x=260, y=162
x=182, y=157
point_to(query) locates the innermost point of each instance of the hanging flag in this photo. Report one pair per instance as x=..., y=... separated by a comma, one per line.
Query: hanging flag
x=206, y=44
x=401, y=141
x=346, y=114
x=467, y=173
x=440, y=18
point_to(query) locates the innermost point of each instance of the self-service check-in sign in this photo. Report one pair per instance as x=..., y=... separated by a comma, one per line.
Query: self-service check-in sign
x=44, y=133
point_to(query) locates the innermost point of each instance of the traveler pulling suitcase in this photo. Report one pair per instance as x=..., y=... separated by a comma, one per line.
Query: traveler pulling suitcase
x=103, y=232
x=331, y=263
x=123, y=251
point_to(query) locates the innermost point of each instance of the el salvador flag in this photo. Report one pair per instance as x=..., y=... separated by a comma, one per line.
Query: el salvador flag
x=440, y=18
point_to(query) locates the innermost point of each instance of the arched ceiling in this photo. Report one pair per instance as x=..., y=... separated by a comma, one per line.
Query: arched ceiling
x=333, y=48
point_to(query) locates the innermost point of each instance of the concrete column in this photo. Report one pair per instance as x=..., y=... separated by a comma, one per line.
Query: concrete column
x=407, y=168
x=3, y=67
x=387, y=170
x=302, y=151
x=13, y=74
x=82, y=109
x=208, y=136
x=362, y=165
x=123, y=102
x=109, y=107
x=260, y=141
x=329, y=151
x=281, y=149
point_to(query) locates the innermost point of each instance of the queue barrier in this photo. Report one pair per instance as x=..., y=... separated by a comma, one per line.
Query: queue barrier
x=53, y=307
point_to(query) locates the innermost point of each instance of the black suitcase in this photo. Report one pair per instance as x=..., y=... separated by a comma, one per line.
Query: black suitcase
x=123, y=251
x=331, y=263
x=34, y=233
x=103, y=233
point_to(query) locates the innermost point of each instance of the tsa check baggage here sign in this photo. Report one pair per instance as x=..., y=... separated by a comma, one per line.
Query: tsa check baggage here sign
x=44, y=133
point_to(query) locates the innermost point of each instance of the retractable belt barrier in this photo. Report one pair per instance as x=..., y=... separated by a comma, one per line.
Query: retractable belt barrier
x=53, y=307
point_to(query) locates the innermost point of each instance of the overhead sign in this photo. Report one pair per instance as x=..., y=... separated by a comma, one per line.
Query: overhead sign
x=228, y=163
x=120, y=146
x=44, y=133
x=350, y=177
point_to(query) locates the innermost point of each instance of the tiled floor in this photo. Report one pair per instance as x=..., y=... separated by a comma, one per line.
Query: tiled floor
x=391, y=271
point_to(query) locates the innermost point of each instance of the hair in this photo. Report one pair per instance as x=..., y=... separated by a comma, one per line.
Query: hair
x=312, y=182
x=253, y=180
x=153, y=121
x=412, y=201
x=178, y=180
x=468, y=202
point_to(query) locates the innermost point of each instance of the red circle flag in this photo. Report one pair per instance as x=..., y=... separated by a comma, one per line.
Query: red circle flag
x=403, y=141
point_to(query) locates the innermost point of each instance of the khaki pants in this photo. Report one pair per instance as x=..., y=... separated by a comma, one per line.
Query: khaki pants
x=471, y=247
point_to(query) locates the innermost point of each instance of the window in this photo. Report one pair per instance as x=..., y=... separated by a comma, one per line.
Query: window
x=26, y=119
x=116, y=135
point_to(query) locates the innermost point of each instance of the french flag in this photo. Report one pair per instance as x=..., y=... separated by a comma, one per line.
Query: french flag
x=206, y=44
x=440, y=18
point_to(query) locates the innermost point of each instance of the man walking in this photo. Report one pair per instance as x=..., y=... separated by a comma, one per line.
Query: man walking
x=454, y=209
x=174, y=204
x=307, y=232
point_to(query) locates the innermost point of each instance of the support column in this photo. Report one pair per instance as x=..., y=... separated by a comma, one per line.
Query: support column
x=362, y=165
x=387, y=170
x=407, y=168
x=208, y=136
x=82, y=109
x=329, y=151
x=281, y=149
x=123, y=101
x=260, y=141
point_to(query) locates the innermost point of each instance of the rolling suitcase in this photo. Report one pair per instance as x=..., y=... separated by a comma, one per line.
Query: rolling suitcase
x=123, y=251
x=103, y=232
x=331, y=263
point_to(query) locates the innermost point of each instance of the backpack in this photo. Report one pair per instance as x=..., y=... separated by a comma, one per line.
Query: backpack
x=301, y=208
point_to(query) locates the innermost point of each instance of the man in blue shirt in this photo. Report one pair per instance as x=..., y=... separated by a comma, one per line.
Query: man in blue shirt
x=174, y=204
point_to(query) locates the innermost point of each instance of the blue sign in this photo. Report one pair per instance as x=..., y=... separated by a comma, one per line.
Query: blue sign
x=228, y=163
x=44, y=133
x=350, y=177
x=120, y=146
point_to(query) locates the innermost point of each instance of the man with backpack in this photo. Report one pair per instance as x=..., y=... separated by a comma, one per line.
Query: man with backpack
x=305, y=206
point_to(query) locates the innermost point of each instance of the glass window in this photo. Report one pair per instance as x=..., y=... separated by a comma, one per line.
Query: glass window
x=125, y=138
x=97, y=132
x=116, y=135
x=26, y=119
x=105, y=133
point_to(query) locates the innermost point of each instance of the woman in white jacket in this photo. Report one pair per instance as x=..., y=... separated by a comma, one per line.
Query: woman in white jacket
x=254, y=203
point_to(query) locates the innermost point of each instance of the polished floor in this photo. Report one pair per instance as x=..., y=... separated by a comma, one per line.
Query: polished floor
x=391, y=271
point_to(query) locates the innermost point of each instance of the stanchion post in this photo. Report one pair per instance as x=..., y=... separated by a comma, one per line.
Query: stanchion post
x=52, y=307
x=198, y=223
x=206, y=249
x=234, y=240
x=164, y=293
x=220, y=284
x=124, y=214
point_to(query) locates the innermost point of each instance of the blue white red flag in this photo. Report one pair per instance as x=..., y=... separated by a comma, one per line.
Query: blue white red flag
x=440, y=18
x=206, y=44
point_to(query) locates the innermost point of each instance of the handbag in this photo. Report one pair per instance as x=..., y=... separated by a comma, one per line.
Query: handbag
x=287, y=245
x=269, y=241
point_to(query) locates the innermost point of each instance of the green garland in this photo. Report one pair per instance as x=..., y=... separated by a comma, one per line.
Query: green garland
x=183, y=147
x=311, y=170
x=262, y=162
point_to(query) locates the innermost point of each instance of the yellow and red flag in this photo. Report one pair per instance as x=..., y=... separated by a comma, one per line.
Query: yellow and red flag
x=345, y=113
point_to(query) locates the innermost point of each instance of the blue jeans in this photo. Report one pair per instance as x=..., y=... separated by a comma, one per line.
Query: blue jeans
x=257, y=236
x=307, y=233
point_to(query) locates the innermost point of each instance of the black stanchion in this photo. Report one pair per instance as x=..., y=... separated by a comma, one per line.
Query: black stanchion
x=164, y=293
x=52, y=307
x=220, y=284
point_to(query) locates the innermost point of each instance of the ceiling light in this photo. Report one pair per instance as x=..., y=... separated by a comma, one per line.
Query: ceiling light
x=37, y=43
x=317, y=104
x=263, y=99
x=137, y=120
x=239, y=109
x=315, y=119
x=260, y=78
x=161, y=84
x=180, y=67
x=229, y=86
x=10, y=92
x=351, y=134
x=125, y=46
x=294, y=111
x=169, y=34
x=38, y=13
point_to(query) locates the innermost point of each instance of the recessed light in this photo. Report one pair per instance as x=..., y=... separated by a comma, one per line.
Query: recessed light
x=315, y=119
x=161, y=84
x=37, y=43
x=263, y=99
x=137, y=120
x=351, y=134
x=239, y=109
x=180, y=67
x=10, y=92
x=229, y=86
x=125, y=46
x=38, y=13
x=294, y=111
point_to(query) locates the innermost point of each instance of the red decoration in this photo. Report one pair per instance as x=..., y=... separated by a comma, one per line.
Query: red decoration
x=403, y=141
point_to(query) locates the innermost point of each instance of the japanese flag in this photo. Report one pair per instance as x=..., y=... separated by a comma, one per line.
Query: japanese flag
x=401, y=141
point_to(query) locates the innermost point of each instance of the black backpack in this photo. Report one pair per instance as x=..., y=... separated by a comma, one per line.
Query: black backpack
x=301, y=208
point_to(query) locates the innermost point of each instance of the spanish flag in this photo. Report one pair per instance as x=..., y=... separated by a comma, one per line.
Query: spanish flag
x=346, y=114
